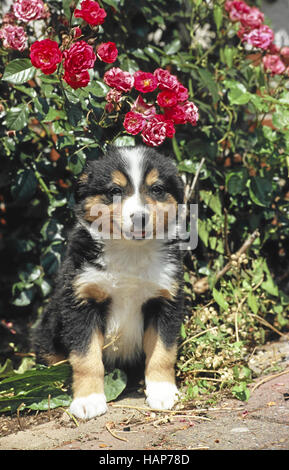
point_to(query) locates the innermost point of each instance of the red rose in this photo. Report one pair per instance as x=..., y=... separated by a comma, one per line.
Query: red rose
x=165, y=80
x=236, y=9
x=14, y=37
x=168, y=125
x=273, y=64
x=146, y=109
x=78, y=58
x=145, y=81
x=118, y=79
x=78, y=80
x=177, y=114
x=182, y=93
x=107, y=52
x=29, y=10
x=261, y=37
x=253, y=19
x=167, y=99
x=191, y=112
x=90, y=12
x=154, y=133
x=113, y=96
x=45, y=55
x=134, y=122
x=77, y=32
x=183, y=113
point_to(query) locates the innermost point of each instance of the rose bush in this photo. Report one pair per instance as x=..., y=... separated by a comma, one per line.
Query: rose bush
x=206, y=82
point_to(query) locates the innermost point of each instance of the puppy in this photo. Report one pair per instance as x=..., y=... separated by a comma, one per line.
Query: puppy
x=118, y=296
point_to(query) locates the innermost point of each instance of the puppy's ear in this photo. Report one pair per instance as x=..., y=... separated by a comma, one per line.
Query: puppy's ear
x=179, y=189
x=81, y=183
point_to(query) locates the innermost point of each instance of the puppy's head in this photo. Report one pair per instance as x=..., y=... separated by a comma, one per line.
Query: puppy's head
x=131, y=193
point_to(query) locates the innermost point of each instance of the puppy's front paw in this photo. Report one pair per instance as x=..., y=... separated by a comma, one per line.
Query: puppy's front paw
x=161, y=395
x=89, y=407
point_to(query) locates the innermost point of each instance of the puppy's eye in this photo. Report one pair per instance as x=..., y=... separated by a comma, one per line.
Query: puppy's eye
x=157, y=190
x=115, y=191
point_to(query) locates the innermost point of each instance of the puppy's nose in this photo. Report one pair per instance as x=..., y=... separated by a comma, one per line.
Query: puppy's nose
x=140, y=219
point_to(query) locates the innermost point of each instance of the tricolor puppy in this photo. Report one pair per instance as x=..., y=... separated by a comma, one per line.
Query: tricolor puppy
x=118, y=296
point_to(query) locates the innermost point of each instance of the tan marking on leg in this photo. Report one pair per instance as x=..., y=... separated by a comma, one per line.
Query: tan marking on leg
x=84, y=291
x=88, y=369
x=119, y=178
x=160, y=360
x=152, y=177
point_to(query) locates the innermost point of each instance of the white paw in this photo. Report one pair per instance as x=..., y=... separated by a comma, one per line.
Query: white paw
x=161, y=395
x=89, y=407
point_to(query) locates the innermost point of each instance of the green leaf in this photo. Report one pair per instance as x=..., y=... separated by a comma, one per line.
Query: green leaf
x=54, y=114
x=97, y=88
x=16, y=118
x=236, y=182
x=74, y=113
x=76, y=162
x=66, y=7
x=260, y=191
x=19, y=71
x=51, y=258
x=25, y=297
x=270, y=286
x=183, y=331
x=212, y=201
x=114, y=384
x=218, y=16
x=219, y=298
x=241, y=392
x=229, y=53
x=252, y=302
x=281, y=118
x=54, y=402
x=113, y=3
x=25, y=185
x=173, y=47
x=124, y=140
x=209, y=82
x=6, y=369
x=238, y=93
x=203, y=231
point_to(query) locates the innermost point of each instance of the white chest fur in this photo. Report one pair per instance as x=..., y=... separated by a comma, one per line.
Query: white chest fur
x=133, y=273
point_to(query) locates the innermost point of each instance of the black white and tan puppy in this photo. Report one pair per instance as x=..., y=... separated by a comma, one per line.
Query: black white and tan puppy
x=118, y=299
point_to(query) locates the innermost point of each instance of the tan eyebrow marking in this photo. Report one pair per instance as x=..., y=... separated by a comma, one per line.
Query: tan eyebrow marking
x=152, y=177
x=119, y=178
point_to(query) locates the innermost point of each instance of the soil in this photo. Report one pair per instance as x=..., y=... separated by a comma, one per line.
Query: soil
x=261, y=423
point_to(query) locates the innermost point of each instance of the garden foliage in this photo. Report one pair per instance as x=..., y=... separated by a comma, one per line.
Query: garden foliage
x=71, y=86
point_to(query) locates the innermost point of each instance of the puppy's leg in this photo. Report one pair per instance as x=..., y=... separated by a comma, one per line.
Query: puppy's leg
x=161, y=389
x=88, y=387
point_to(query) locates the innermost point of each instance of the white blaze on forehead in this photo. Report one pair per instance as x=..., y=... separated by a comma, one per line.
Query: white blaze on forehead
x=134, y=161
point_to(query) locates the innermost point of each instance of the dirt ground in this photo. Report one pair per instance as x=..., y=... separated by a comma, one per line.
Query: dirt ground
x=261, y=423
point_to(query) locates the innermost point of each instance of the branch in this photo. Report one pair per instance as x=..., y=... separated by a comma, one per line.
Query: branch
x=202, y=284
x=191, y=189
